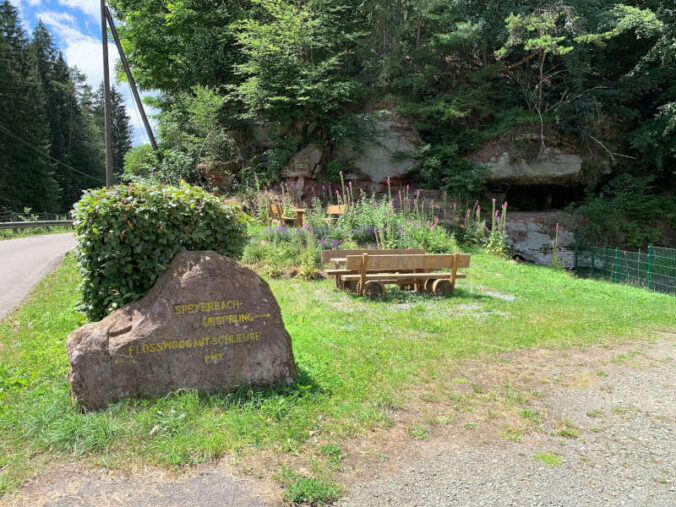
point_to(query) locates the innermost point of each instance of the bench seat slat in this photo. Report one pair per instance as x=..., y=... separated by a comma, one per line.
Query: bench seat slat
x=328, y=255
x=400, y=276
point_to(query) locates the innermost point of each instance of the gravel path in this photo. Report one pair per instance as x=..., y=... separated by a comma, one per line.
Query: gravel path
x=625, y=453
x=71, y=485
x=621, y=401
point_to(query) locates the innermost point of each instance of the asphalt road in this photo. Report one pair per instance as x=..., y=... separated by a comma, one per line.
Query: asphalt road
x=24, y=261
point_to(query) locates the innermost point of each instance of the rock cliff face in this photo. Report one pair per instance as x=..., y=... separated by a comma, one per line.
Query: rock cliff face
x=552, y=167
x=514, y=159
x=388, y=154
x=518, y=160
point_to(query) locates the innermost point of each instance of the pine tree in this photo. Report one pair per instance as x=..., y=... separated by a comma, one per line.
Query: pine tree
x=26, y=171
x=121, y=127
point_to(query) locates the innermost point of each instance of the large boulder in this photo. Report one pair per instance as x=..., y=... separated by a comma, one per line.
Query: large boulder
x=208, y=323
x=304, y=163
x=531, y=235
x=387, y=154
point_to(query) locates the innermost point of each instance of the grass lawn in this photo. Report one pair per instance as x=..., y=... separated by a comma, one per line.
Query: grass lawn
x=33, y=231
x=358, y=360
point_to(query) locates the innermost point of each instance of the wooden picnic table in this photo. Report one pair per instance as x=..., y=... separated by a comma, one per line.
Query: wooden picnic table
x=300, y=212
x=368, y=274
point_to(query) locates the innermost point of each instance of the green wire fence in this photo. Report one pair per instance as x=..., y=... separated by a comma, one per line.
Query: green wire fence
x=654, y=269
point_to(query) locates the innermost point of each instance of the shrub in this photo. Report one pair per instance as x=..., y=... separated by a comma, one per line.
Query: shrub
x=127, y=235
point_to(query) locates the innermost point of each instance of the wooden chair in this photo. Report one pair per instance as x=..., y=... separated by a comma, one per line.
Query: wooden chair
x=334, y=212
x=372, y=272
x=277, y=214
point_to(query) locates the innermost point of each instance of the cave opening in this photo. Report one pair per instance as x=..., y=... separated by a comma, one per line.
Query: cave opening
x=539, y=197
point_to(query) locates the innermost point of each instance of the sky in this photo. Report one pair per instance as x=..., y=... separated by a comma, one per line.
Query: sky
x=76, y=28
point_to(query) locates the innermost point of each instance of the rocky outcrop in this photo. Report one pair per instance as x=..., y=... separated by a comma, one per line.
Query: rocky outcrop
x=387, y=154
x=219, y=174
x=208, y=323
x=531, y=236
x=551, y=167
x=304, y=163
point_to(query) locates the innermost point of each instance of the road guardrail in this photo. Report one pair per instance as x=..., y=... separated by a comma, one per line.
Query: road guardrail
x=35, y=223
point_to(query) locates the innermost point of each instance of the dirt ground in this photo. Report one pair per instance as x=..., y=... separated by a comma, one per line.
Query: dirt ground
x=589, y=425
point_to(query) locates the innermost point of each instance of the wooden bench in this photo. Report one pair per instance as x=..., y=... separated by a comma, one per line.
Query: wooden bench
x=334, y=212
x=370, y=273
x=277, y=214
x=339, y=257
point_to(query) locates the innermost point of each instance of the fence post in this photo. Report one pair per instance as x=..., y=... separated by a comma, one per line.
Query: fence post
x=593, y=263
x=616, y=278
x=575, y=259
x=650, y=264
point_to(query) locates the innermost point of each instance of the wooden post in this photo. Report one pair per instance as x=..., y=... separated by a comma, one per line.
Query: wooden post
x=454, y=270
x=363, y=268
x=132, y=84
x=616, y=266
x=107, y=108
x=650, y=265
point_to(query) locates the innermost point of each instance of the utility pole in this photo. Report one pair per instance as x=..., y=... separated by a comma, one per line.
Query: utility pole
x=132, y=83
x=107, y=108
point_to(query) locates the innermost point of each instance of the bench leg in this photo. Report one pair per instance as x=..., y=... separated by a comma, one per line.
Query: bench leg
x=374, y=290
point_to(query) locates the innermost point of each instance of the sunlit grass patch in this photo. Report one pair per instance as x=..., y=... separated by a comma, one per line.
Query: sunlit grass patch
x=359, y=363
x=549, y=459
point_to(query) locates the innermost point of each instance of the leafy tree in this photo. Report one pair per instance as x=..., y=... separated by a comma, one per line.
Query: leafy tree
x=543, y=34
x=175, y=45
x=294, y=62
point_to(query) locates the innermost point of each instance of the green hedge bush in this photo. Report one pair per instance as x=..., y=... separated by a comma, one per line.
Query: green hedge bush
x=127, y=235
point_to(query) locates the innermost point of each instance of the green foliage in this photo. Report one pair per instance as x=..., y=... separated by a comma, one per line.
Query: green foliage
x=549, y=459
x=140, y=162
x=311, y=491
x=128, y=235
x=294, y=60
x=443, y=167
x=625, y=212
x=595, y=75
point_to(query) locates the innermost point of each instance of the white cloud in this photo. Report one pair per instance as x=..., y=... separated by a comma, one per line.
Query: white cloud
x=34, y=2
x=89, y=7
x=81, y=50
x=84, y=52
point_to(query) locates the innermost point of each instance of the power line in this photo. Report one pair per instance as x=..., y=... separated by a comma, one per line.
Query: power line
x=136, y=113
x=21, y=140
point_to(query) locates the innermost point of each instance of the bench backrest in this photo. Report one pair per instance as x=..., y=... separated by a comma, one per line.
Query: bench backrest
x=328, y=255
x=336, y=209
x=407, y=262
x=276, y=211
